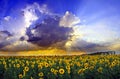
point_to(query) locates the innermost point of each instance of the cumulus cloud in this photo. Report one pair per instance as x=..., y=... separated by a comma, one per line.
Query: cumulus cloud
x=46, y=32
x=17, y=26
x=69, y=20
x=33, y=12
x=72, y=21
x=49, y=33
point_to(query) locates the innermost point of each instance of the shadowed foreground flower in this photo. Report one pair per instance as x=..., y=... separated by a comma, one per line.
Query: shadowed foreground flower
x=20, y=76
x=100, y=69
x=18, y=65
x=31, y=77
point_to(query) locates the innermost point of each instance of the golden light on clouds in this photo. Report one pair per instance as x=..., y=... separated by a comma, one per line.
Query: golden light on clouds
x=48, y=52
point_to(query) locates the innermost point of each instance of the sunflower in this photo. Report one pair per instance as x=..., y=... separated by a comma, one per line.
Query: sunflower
x=32, y=66
x=100, y=69
x=113, y=64
x=52, y=69
x=68, y=67
x=23, y=64
x=61, y=71
x=31, y=77
x=17, y=65
x=78, y=64
x=91, y=68
x=39, y=66
x=46, y=64
x=26, y=68
x=41, y=74
x=55, y=72
x=80, y=71
x=20, y=76
x=4, y=62
x=86, y=65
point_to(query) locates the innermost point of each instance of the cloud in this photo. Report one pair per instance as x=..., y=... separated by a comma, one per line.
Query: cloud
x=7, y=18
x=43, y=25
x=93, y=37
x=74, y=22
x=18, y=25
x=90, y=47
x=29, y=15
x=4, y=38
x=69, y=20
x=4, y=35
x=33, y=12
x=38, y=28
x=20, y=46
x=49, y=33
x=114, y=45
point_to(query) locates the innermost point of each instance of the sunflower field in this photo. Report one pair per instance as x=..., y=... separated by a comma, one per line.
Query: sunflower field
x=60, y=67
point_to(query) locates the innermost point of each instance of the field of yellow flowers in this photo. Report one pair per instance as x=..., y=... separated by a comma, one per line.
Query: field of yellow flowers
x=60, y=67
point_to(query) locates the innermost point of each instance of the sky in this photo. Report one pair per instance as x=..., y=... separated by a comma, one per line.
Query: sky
x=70, y=25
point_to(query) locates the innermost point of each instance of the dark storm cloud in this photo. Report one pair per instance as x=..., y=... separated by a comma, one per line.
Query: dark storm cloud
x=4, y=35
x=3, y=44
x=49, y=33
x=89, y=46
x=22, y=38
